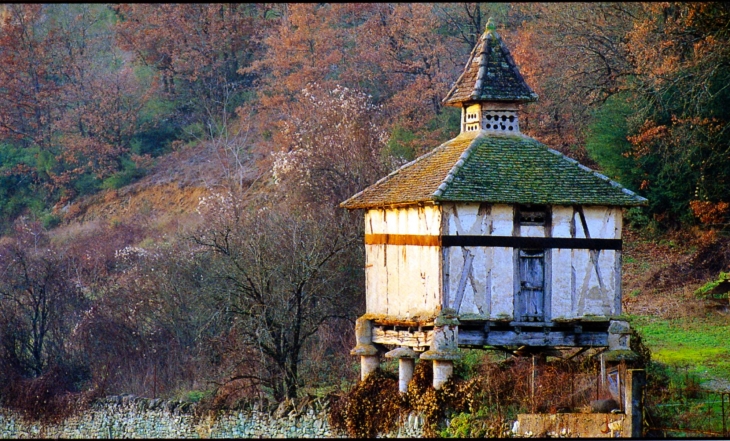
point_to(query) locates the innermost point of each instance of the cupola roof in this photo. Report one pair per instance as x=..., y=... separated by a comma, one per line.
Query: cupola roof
x=490, y=74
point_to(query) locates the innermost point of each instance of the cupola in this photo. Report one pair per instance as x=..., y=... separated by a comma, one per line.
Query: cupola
x=490, y=88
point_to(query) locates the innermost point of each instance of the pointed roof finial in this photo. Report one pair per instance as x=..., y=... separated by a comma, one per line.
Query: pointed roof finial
x=490, y=74
x=491, y=27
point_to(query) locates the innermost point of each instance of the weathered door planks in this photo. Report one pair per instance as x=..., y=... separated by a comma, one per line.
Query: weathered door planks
x=530, y=303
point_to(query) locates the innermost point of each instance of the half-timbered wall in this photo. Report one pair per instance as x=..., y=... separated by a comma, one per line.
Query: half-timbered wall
x=488, y=281
x=586, y=282
x=402, y=279
x=478, y=280
x=494, y=277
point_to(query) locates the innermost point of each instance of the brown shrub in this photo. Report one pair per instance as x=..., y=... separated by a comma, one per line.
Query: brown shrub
x=370, y=408
x=495, y=394
x=49, y=397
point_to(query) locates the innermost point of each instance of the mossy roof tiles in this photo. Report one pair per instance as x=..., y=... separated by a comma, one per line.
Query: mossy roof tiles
x=490, y=75
x=481, y=167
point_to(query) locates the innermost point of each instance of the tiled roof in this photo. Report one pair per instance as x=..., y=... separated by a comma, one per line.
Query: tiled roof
x=490, y=75
x=480, y=167
x=415, y=181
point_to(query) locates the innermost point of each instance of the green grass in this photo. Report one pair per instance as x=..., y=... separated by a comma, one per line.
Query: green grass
x=700, y=344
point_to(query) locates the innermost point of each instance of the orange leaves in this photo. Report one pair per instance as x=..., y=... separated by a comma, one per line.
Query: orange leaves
x=649, y=133
x=706, y=46
x=304, y=47
x=200, y=51
x=674, y=37
x=28, y=96
x=394, y=52
x=66, y=90
x=711, y=125
x=710, y=212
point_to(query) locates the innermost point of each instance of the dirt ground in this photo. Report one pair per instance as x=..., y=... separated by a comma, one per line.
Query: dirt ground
x=660, y=277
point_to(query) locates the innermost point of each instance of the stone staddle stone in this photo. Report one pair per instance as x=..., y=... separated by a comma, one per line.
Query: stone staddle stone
x=369, y=356
x=406, y=363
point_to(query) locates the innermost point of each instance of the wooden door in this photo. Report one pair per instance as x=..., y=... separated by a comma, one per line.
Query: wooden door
x=530, y=300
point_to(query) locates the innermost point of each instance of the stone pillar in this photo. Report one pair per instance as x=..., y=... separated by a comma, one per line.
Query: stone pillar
x=442, y=371
x=444, y=347
x=369, y=357
x=634, y=389
x=368, y=364
x=406, y=362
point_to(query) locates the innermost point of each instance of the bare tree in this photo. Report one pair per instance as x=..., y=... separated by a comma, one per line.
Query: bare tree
x=39, y=303
x=284, y=272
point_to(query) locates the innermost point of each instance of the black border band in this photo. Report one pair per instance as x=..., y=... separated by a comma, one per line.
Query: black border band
x=531, y=242
x=494, y=241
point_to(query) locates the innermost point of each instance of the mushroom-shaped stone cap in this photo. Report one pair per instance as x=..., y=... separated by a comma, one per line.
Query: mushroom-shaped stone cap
x=440, y=355
x=364, y=350
x=402, y=352
x=619, y=327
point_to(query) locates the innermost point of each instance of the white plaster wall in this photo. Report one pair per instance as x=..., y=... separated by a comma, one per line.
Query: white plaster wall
x=561, y=221
x=562, y=289
x=503, y=273
x=562, y=275
x=532, y=231
x=603, y=222
x=502, y=220
x=464, y=219
x=403, y=280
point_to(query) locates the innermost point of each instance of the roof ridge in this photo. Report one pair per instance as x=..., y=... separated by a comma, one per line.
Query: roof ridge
x=598, y=175
x=483, y=62
x=459, y=163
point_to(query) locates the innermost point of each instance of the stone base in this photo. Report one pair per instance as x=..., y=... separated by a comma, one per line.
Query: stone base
x=573, y=425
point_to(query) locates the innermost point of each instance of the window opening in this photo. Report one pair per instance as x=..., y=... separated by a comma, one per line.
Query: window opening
x=532, y=215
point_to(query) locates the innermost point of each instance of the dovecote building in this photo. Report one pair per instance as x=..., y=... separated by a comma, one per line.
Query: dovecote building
x=492, y=239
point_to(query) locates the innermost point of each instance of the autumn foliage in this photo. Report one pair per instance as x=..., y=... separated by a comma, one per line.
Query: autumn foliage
x=298, y=106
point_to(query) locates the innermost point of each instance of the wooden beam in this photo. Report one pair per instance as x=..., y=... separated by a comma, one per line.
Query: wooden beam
x=402, y=239
x=531, y=242
x=462, y=282
x=476, y=337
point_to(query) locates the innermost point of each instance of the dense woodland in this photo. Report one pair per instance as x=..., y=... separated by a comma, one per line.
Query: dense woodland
x=301, y=105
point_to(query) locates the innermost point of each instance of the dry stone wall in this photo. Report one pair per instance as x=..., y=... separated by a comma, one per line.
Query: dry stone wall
x=134, y=417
